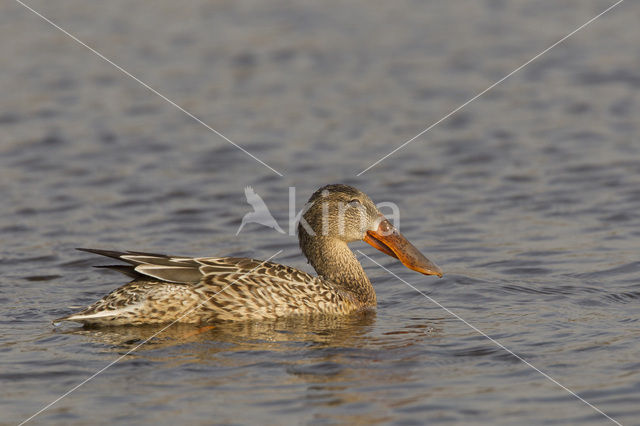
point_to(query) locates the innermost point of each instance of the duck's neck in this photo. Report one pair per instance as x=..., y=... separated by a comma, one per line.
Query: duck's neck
x=333, y=260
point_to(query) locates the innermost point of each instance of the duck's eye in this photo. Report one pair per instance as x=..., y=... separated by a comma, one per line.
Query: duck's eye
x=354, y=203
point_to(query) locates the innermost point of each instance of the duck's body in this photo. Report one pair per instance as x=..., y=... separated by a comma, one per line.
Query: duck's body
x=201, y=290
x=169, y=289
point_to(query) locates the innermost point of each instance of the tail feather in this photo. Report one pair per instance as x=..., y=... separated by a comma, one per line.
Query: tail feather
x=158, y=266
x=108, y=253
x=128, y=270
x=121, y=255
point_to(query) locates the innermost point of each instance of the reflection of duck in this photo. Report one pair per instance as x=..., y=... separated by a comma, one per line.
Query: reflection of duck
x=330, y=330
x=199, y=290
x=260, y=213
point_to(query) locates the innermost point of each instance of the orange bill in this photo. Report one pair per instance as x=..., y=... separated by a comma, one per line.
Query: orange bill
x=388, y=240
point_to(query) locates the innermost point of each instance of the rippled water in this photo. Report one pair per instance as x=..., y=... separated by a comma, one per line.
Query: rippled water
x=528, y=198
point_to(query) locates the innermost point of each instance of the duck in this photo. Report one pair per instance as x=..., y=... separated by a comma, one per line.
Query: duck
x=204, y=290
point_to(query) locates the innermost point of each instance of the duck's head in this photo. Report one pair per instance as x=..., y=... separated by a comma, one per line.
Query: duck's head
x=342, y=213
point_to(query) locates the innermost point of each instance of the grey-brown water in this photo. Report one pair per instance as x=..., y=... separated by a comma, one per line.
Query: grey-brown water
x=528, y=198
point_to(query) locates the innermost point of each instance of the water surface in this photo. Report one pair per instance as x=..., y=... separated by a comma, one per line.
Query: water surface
x=528, y=199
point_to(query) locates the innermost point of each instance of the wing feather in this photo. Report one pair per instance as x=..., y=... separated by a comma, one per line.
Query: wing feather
x=186, y=270
x=172, y=274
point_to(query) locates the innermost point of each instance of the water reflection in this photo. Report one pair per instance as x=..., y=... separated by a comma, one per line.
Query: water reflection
x=317, y=331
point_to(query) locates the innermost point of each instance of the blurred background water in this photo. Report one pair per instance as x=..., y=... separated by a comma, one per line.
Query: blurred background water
x=529, y=199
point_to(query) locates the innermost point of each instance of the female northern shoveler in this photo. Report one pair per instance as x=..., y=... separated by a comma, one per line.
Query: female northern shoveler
x=209, y=289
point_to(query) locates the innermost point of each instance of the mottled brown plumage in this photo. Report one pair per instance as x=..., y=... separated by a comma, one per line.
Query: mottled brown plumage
x=169, y=289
